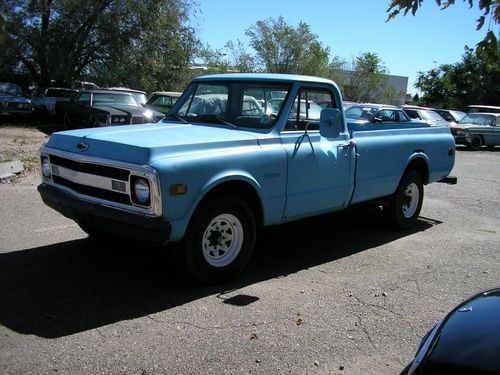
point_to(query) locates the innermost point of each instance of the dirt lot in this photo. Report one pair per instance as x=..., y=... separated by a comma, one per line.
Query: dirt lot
x=338, y=294
x=21, y=143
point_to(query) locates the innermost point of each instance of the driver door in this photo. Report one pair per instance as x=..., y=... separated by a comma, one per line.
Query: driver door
x=320, y=174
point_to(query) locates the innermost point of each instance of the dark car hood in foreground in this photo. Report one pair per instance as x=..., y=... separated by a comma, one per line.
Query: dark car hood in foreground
x=467, y=341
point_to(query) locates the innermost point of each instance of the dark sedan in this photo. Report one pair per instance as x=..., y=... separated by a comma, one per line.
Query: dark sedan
x=11, y=101
x=466, y=341
x=107, y=108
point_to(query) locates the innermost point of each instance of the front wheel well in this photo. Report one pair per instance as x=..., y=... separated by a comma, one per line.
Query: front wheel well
x=243, y=190
x=420, y=166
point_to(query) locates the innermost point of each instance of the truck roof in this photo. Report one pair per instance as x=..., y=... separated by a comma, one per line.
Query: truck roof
x=263, y=77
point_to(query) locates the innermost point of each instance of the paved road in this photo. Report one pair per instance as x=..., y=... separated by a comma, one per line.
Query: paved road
x=340, y=294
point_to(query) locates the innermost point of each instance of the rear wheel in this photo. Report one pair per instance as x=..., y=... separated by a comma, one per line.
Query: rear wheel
x=220, y=240
x=476, y=142
x=406, y=203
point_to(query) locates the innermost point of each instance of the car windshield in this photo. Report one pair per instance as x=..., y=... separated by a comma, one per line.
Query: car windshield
x=430, y=115
x=239, y=104
x=10, y=89
x=140, y=97
x=58, y=93
x=478, y=119
x=108, y=99
x=360, y=112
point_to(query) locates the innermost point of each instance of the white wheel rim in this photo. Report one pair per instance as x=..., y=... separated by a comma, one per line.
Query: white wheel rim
x=410, y=200
x=222, y=240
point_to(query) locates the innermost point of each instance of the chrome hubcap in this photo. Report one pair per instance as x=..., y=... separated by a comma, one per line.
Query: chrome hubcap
x=222, y=240
x=410, y=200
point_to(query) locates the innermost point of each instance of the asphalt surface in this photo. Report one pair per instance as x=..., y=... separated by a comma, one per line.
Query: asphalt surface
x=339, y=294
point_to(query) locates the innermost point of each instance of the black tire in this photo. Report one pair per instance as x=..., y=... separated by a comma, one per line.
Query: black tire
x=476, y=142
x=219, y=241
x=405, y=204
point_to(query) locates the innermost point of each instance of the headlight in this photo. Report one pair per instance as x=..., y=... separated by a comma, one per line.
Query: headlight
x=141, y=191
x=118, y=119
x=46, y=167
x=148, y=114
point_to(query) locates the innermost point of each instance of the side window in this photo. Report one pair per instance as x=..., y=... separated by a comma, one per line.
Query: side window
x=498, y=121
x=83, y=99
x=387, y=115
x=402, y=117
x=306, y=111
x=413, y=114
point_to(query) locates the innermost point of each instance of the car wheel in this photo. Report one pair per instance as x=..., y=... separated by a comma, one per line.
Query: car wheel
x=476, y=142
x=405, y=204
x=220, y=240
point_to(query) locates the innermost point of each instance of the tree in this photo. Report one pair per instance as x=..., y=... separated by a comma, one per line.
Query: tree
x=458, y=85
x=281, y=48
x=126, y=41
x=487, y=49
x=366, y=80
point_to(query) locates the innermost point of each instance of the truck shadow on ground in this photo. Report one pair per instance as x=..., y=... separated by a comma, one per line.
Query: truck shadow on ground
x=70, y=287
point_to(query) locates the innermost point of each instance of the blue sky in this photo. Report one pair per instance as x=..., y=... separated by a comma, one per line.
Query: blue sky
x=407, y=44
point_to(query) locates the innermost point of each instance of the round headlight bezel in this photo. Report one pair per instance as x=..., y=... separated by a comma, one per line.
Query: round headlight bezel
x=141, y=191
x=46, y=168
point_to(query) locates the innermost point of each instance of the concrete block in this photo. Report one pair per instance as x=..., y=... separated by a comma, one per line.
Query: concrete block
x=11, y=167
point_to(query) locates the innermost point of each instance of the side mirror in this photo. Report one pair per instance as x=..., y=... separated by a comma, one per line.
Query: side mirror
x=330, y=123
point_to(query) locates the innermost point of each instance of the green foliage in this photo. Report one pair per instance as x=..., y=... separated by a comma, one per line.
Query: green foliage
x=487, y=49
x=470, y=81
x=126, y=42
x=281, y=48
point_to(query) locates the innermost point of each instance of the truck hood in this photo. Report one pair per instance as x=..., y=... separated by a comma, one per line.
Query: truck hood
x=142, y=144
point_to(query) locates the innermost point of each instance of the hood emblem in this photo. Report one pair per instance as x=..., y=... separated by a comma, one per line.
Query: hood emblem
x=82, y=146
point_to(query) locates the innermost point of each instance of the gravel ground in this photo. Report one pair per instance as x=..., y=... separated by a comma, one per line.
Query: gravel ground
x=337, y=294
x=21, y=143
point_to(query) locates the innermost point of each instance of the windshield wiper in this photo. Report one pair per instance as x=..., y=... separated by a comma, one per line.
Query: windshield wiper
x=210, y=117
x=177, y=117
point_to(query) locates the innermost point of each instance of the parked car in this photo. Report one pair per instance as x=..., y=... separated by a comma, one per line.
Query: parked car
x=12, y=103
x=450, y=115
x=478, y=129
x=162, y=101
x=93, y=108
x=473, y=108
x=45, y=100
x=360, y=115
x=220, y=167
x=466, y=341
x=139, y=95
x=425, y=114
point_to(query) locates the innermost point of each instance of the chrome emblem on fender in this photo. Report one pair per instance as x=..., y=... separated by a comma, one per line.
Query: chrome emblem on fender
x=82, y=146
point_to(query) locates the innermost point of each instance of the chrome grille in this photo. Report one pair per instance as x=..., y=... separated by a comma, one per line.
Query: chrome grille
x=97, y=180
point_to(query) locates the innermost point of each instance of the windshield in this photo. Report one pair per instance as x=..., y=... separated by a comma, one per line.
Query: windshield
x=478, y=119
x=140, y=97
x=107, y=99
x=360, y=112
x=430, y=115
x=240, y=104
x=10, y=88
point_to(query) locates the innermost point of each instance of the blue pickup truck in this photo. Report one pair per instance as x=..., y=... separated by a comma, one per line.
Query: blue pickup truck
x=238, y=152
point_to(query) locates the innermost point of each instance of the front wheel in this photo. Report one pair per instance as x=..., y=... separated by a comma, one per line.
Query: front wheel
x=406, y=203
x=476, y=142
x=220, y=240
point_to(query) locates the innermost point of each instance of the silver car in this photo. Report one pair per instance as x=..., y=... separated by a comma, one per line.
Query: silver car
x=478, y=129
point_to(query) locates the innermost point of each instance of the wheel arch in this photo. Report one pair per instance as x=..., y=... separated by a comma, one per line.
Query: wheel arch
x=243, y=187
x=420, y=164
